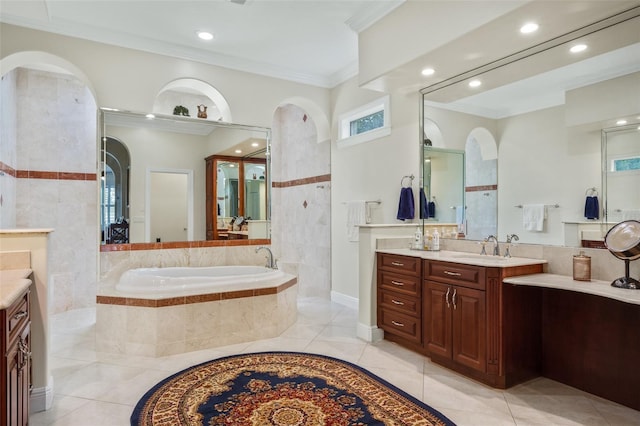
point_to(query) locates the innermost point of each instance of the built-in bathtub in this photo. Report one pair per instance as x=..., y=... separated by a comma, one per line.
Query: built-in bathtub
x=164, y=311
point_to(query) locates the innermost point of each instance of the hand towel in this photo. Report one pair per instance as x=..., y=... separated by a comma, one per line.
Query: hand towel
x=459, y=215
x=592, y=207
x=356, y=215
x=432, y=209
x=424, y=206
x=406, y=206
x=533, y=216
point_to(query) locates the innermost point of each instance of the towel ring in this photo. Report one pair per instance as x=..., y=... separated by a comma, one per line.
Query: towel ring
x=406, y=177
x=591, y=192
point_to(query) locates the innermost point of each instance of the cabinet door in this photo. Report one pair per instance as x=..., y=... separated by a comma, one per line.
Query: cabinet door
x=469, y=327
x=437, y=315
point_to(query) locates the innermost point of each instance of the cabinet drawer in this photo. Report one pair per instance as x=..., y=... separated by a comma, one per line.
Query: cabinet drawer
x=403, y=284
x=400, y=325
x=455, y=273
x=17, y=317
x=401, y=264
x=401, y=303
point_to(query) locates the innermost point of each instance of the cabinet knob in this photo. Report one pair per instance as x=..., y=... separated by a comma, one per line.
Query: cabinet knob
x=20, y=314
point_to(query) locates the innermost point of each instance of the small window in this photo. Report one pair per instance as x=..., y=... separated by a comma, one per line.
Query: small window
x=625, y=164
x=368, y=122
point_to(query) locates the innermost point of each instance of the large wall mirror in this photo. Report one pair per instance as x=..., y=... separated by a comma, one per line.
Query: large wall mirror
x=172, y=178
x=546, y=108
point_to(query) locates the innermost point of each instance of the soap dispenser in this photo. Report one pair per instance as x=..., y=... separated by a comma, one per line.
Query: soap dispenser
x=436, y=241
x=417, y=239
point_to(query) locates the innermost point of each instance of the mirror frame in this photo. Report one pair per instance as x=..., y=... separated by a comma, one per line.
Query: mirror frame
x=181, y=121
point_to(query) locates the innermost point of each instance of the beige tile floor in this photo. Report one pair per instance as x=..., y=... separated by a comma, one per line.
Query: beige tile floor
x=95, y=388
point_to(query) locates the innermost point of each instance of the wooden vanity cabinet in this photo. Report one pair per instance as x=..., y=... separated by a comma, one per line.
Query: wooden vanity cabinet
x=462, y=316
x=399, y=294
x=15, y=368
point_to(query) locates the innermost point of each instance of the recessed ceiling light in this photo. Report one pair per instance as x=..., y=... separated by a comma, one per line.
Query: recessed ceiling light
x=255, y=144
x=238, y=151
x=475, y=83
x=231, y=165
x=578, y=48
x=621, y=122
x=529, y=27
x=205, y=35
x=428, y=71
x=150, y=116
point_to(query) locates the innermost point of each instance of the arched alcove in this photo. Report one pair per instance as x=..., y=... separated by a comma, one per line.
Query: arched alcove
x=323, y=130
x=432, y=134
x=191, y=93
x=481, y=182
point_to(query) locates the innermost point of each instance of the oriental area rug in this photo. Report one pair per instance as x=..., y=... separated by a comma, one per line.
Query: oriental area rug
x=280, y=389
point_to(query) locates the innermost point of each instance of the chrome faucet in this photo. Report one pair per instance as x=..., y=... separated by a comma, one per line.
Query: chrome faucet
x=496, y=246
x=271, y=263
x=511, y=237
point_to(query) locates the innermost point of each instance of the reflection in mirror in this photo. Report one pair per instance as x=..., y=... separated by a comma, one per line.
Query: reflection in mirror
x=546, y=108
x=443, y=186
x=160, y=164
x=621, y=173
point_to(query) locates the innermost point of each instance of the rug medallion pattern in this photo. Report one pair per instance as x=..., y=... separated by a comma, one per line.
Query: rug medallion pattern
x=280, y=389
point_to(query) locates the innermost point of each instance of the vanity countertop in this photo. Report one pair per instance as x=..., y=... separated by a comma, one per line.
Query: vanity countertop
x=466, y=258
x=13, y=283
x=564, y=282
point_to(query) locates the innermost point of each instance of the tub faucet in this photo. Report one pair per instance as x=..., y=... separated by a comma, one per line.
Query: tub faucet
x=496, y=246
x=271, y=263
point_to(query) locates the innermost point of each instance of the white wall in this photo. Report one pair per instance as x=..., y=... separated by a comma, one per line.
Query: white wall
x=157, y=150
x=369, y=171
x=540, y=160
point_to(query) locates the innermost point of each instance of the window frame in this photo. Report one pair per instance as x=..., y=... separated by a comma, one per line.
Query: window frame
x=346, y=139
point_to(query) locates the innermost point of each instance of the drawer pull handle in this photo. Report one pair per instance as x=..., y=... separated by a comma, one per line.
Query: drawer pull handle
x=446, y=297
x=395, y=302
x=397, y=324
x=20, y=314
x=455, y=274
x=397, y=264
x=397, y=283
x=455, y=290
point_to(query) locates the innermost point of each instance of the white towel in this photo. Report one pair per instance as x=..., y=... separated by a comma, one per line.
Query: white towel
x=356, y=215
x=533, y=216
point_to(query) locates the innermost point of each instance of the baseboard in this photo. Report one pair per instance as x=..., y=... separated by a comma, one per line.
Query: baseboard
x=41, y=398
x=369, y=333
x=343, y=299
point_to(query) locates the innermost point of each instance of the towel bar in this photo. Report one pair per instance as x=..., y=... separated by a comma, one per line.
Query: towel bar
x=555, y=206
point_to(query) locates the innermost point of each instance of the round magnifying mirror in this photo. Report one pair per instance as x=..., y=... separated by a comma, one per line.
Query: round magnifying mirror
x=623, y=241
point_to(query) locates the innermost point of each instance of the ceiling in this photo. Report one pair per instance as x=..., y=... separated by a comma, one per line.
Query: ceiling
x=308, y=41
x=316, y=41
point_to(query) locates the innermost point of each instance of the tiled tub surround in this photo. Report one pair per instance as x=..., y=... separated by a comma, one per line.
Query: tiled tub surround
x=157, y=326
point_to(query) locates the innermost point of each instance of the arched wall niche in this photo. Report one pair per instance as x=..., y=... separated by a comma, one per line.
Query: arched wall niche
x=315, y=112
x=481, y=184
x=46, y=62
x=198, y=91
x=432, y=132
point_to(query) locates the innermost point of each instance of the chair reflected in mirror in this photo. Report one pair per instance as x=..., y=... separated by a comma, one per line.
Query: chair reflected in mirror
x=118, y=233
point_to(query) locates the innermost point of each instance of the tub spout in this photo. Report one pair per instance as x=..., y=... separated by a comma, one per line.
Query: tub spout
x=271, y=263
